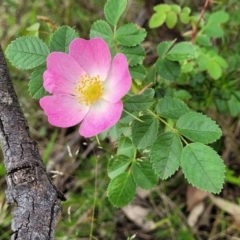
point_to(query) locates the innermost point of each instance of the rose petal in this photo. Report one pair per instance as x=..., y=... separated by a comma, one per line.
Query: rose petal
x=100, y=117
x=62, y=73
x=118, y=82
x=92, y=55
x=63, y=110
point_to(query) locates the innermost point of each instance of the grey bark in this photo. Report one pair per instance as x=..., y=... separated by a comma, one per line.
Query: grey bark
x=37, y=201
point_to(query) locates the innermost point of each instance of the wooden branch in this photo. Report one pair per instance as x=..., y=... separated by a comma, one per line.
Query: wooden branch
x=37, y=200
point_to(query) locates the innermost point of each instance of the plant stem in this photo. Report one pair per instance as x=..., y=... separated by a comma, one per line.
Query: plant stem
x=94, y=201
x=138, y=119
x=195, y=28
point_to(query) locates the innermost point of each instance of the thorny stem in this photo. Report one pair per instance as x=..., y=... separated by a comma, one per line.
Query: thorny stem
x=195, y=28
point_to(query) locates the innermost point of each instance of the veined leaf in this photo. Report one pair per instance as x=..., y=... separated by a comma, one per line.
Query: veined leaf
x=144, y=133
x=165, y=154
x=144, y=175
x=102, y=29
x=35, y=84
x=113, y=10
x=137, y=72
x=135, y=55
x=126, y=147
x=130, y=35
x=164, y=47
x=182, y=51
x=202, y=167
x=198, y=128
x=117, y=165
x=27, y=52
x=138, y=102
x=121, y=189
x=171, y=108
x=169, y=70
x=61, y=39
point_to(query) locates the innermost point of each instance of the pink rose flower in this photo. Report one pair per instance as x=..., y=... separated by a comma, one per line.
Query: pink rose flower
x=86, y=86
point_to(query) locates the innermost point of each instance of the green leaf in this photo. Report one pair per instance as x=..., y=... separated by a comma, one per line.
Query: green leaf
x=113, y=10
x=137, y=72
x=203, y=61
x=34, y=29
x=202, y=167
x=182, y=51
x=144, y=175
x=126, y=118
x=184, y=17
x=118, y=165
x=27, y=52
x=168, y=70
x=186, y=10
x=218, y=17
x=61, y=39
x=187, y=67
x=103, y=30
x=233, y=106
x=171, y=19
x=198, y=128
x=144, y=133
x=213, y=30
x=165, y=154
x=182, y=94
x=171, y=108
x=162, y=8
x=121, y=190
x=220, y=61
x=157, y=20
x=176, y=8
x=138, y=102
x=164, y=47
x=203, y=40
x=214, y=70
x=149, y=92
x=126, y=147
x=130, y=35
x=135, y=55
x=114, y=132
x=35, y=84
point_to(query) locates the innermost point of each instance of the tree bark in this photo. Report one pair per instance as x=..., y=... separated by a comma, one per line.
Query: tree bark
x=28, y=186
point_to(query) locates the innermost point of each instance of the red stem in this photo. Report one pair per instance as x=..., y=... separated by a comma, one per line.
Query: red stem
x=195, y=28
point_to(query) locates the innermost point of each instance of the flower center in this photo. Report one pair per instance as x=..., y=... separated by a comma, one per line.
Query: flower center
x=89, y=89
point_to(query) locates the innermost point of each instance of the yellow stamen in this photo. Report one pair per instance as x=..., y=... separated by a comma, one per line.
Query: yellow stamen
x=89, y=89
